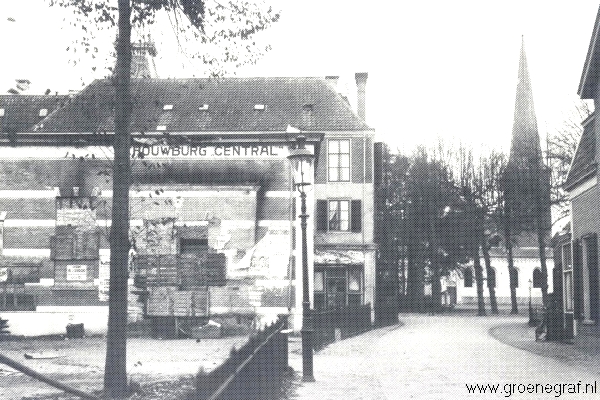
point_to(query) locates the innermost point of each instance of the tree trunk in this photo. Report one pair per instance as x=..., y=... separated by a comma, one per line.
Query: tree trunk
x=436, y=290
x=511, y=266
x=478, y=280
x=414, y=279
x=488, y=269
x=436, y=284
x=115, y=373
x=542, y=250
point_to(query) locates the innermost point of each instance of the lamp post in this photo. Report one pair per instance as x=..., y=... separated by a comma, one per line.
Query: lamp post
x=301, y=159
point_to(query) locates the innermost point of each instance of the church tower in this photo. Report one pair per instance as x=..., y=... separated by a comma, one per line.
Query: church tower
x=526, y=173
x=526, y=181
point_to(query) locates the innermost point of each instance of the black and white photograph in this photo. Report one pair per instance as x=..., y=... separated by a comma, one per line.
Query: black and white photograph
x=297, y=200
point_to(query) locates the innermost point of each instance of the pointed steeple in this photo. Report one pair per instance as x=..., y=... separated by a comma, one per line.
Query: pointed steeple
x=525, y=145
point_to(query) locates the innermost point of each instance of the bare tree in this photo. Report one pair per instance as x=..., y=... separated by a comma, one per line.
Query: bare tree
x=561, y=147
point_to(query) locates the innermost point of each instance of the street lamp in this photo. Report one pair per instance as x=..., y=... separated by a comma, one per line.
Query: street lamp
x=301, y=159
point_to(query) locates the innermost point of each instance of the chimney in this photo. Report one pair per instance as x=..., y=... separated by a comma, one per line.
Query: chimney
x=333, y=81
x=361, y=87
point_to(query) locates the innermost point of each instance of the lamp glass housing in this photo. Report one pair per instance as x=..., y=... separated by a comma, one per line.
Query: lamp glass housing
x=302, y=161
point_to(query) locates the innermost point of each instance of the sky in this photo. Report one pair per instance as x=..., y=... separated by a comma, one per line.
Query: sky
x=436, y=68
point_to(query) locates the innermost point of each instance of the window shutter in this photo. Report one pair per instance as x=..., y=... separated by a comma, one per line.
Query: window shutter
x=356, y=219
x=577, y=280
x=321, y=218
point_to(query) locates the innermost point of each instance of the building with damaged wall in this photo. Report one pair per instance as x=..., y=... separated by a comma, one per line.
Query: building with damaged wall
x=210, y=176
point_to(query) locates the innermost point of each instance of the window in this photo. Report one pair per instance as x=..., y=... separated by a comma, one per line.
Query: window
x=339, y=215
x=468, y=277
x=514, y=277
x=193, y=246
x=568, y=291
x=338, y=160
x=492, y=278
x=537, y=278
x=338, y=287
x=567, y=257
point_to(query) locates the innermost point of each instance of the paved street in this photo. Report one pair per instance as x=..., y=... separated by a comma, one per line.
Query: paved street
x=434, y=357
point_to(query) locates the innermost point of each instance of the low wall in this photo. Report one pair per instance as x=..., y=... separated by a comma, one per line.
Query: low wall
x=54, y=320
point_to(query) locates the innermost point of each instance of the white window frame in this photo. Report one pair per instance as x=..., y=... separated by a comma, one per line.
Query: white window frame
x=348, y=213
x=338, y=168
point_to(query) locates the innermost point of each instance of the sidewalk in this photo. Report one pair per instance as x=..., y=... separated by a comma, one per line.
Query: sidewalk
x=341, y=369
x=522, y=336
x=421, y=360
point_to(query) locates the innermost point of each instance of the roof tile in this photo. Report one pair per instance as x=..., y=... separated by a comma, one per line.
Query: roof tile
x=584, y=161
x=230, y=103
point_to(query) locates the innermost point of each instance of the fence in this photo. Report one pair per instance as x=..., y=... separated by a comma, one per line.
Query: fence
x=339, y=323
x=254, y=372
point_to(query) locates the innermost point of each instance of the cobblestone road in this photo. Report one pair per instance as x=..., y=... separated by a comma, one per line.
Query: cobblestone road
x=434, y=357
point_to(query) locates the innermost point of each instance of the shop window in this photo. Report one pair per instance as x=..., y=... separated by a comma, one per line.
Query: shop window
x=338, y=287
x=514, y=277
x=193, y=246
x=339, y=215
x=537, y=278
x=492, y=278
x=468, y=277
x=338, y=160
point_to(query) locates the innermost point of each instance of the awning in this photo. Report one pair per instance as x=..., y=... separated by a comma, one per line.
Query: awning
x=343, y=257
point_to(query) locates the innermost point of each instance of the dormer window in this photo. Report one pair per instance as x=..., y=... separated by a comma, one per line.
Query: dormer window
x=259, y=107
x=203, y=107
x=43, y=112
x=168, y=107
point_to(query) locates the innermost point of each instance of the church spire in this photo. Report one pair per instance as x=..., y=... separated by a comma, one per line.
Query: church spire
x=525, y=145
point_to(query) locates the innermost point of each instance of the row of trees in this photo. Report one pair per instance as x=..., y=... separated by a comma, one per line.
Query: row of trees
x=443, y=207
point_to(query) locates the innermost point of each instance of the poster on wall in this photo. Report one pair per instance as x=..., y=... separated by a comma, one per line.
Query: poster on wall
x=103, y=277
x=269, y=258
x=76, y=272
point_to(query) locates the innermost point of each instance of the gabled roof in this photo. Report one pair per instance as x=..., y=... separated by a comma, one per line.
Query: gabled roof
x=22, y=112
x=589, y=76
x=584, y=161
x=210, y=105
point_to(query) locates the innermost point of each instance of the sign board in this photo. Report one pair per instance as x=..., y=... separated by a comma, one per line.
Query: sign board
x=3, y=274
x=199, y=151
x=76, y=272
